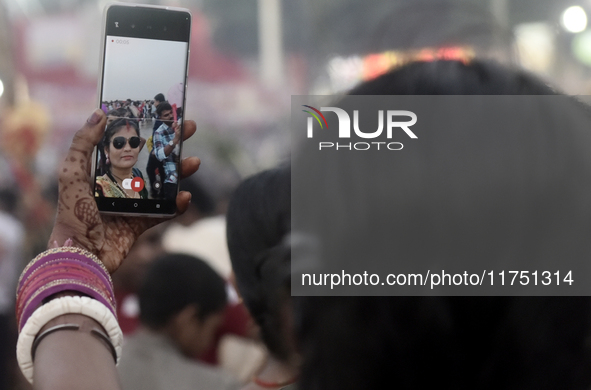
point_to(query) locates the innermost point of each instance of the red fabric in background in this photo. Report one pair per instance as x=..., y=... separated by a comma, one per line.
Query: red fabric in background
x=237, y=322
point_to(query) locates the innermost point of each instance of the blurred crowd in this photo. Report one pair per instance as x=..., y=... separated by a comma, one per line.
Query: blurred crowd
x=239, y=94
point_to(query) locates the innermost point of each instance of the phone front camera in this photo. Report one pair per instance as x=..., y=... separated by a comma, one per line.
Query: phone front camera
x=133, y=26
x=164, y=28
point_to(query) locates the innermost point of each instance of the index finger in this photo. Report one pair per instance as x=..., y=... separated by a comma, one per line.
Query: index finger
x=189, y=130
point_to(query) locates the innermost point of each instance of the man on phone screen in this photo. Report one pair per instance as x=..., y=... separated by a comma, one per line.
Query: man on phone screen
x=166, y=139
x=154, y=165
x=159, y=98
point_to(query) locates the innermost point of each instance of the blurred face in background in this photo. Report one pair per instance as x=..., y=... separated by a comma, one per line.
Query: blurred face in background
x=193, y=335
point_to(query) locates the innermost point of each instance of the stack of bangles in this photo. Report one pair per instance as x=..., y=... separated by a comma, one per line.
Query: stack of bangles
x=59, y=270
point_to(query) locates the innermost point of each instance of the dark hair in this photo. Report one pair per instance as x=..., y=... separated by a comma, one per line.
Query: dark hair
x=454, y=78
x=459, y=342
x=113, y=112
x=175, y=281
x=200, y=197
x=445, y=342
x=118, y=112
x=159, y=97
x=9, y=199
x=258, y=219
x=114, y=126
x=162, y=107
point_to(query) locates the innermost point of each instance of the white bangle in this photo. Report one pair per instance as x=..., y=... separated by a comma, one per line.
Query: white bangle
x=55, y=308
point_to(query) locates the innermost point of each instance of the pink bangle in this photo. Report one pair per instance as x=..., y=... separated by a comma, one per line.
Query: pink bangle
x=62, y=269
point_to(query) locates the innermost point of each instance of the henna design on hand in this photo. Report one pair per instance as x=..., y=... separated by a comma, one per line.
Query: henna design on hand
x=87, y=213
x=109, y=237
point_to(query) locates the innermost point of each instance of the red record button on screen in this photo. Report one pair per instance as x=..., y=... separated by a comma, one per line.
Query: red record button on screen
x=137, y=184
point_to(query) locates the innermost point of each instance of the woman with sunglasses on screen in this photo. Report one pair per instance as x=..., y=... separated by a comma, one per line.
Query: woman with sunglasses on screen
x=121, y=146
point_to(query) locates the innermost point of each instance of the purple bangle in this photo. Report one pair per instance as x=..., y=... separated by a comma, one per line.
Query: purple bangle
x=67, y=274
x=49, y=270
x=58, y=270
x=62, y=265
x=64, y=252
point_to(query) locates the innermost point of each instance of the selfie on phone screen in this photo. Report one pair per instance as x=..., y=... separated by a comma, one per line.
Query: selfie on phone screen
x=139, y=154
x=143, y=97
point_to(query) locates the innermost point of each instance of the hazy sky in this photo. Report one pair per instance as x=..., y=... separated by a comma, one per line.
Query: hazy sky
x=143, y=68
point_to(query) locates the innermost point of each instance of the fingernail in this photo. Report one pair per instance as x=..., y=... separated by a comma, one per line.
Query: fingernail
x=68, y=242
x=95, y=117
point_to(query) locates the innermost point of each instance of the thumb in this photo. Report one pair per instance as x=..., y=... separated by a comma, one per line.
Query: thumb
x=90, y=134
x=84, y=141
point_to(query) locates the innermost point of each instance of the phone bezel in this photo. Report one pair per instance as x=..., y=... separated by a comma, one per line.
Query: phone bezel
x=157, y=208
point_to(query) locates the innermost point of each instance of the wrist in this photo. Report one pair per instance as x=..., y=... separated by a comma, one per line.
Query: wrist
x=63, y=236
x=77, y=322
x=72, y=318
x=31, y=335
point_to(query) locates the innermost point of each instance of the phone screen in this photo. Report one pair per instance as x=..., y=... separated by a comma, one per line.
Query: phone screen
x=143, y=94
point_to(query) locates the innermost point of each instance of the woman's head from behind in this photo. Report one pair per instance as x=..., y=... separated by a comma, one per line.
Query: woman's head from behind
x=537, y=182
x=258, y=221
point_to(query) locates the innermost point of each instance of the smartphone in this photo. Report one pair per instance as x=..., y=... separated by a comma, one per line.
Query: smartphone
x=145, y=54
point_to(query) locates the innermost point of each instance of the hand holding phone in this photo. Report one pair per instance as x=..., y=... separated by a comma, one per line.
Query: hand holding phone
x=110, y=237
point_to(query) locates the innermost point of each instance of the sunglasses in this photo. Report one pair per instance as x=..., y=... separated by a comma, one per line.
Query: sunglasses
x=119, y=142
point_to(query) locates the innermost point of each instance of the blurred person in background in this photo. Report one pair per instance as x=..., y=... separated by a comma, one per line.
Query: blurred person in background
x=537, y=208
x=159, y=98
x=12, y=234
x=23, y=132
x=132, y=111
x=202, y=205
x=129, y=277
x=147, y=108
x=259, y=220
x=202, y=233
x=181, y=306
